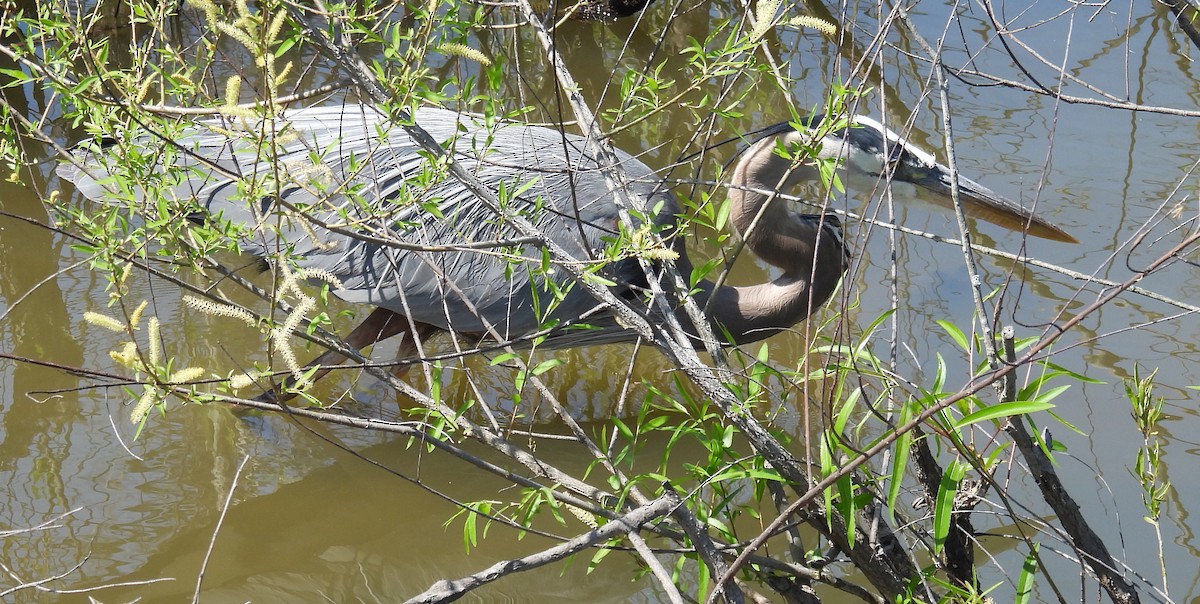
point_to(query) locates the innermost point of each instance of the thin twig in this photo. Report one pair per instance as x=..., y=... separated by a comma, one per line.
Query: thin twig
x=212, y=542
x=971, y=390
x=225, y=110
x=969, y=262
x=659, y=571
x=705, y=548
x=1090, y=545
x=117, y=433
x=44, y=525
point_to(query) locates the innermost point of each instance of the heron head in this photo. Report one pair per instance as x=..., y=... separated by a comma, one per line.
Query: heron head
x=871, y=153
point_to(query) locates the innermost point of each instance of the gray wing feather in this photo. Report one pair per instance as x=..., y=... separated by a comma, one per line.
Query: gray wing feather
x=348, y=168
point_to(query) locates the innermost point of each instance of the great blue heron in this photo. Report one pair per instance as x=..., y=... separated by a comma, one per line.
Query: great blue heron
x=348, y=185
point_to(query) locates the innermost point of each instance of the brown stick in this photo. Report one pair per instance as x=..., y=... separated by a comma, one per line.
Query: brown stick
x=1091, y=547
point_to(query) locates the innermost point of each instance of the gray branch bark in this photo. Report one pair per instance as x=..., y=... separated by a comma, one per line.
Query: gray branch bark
x=451, y=590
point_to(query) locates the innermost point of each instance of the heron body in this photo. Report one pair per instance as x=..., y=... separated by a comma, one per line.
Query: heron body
x=335, y=189
x=606, y=10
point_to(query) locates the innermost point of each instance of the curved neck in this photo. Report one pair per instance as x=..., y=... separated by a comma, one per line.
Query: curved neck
x=812, y=261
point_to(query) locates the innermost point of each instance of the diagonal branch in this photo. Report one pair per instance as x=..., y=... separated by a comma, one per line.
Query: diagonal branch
x=449, y=590
x=892, y=573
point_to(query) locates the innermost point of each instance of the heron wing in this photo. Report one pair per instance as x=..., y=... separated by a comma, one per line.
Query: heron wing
x=343, y=190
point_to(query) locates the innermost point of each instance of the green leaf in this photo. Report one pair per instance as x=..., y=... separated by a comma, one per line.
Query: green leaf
x=656, y=422
x=939, y=376
x=546, y=365
x=17, y=77
x=503, y=357
x=1066, y=423
x=959, y=337
x=600, y=555
x=843, y=414
x=525, y=186
x=848, y=507
x=623, y=428
x=723, y=215
x=597, y=279
x=869, y=331
x=1067, y=372
x=1028, y=573
x=944, y=509
x=470, y=533
x=827, y=468
x=1051, y=394
x=899, y=461
x=740, y=473
x=1002, y=410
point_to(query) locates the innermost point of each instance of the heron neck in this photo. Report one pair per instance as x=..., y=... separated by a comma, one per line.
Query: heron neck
x=763, y=220
x=756, y=312
x=774, y=234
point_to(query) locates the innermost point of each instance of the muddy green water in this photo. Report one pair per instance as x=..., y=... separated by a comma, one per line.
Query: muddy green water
x=311, y=522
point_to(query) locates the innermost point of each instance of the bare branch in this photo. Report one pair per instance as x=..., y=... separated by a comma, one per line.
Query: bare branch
x=449, y=590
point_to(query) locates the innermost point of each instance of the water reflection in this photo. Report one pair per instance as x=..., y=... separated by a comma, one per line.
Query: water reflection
x=311, y=519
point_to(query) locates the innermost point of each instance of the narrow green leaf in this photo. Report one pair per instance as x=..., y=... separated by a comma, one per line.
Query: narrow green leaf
x=597, y=279
x=16, y=77
x=285, y=46
x=751, y=473
x=601, y=554
x=656, y=422
x=899, y=462
x=1048, y=395
x=827, y=468
x=869, y=331
x=525, y=186
x=954, y=332
x=1035, y=384
x=546, y=365
x=1077, y=376
x=848, y=507
x=503, y=358
x=944, y=508
x=435, y=387
x=844, y=412
x=623, y=428
x=1002, y=410
x=939, y=376
x=1066, y=423
x=1028, y=573
x=723, y=215
x=470, y=531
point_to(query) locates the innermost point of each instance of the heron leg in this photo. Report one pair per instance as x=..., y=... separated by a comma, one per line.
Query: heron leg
x=380, y=325
x=410, y=347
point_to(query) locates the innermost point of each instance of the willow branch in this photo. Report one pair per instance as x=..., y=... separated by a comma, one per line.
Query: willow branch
x=985, y=381
x=212, y=543
x=447, y=590
x=1091, y=547
x=892, y=576
x=705, y=548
